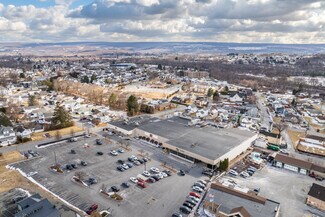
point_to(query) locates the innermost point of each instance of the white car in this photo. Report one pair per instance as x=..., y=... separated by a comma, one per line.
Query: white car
x=232, y=172
x=146, y=173
x=244, y=174
x=134, y=180
x=164, y=174
x=154, y=169
x=114, y=153
x=202, y=181
x=197, y=189
x=199, y=184
x=125, y=166
x=160, y=175
x=133, y=157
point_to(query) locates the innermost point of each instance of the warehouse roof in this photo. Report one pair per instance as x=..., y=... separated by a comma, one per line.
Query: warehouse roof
x=293, y=161
x=207, y=141
x=230, y=199
x=317, y=191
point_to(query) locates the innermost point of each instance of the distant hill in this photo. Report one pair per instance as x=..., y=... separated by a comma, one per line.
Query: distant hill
x=176, y=47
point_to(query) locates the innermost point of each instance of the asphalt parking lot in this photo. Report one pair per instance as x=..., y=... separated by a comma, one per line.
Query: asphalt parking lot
x=158, y=199
x=286, y=187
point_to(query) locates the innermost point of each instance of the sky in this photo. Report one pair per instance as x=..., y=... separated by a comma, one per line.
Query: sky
x=243, y=21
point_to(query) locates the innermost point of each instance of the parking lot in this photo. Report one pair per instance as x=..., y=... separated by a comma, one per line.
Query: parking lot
x=161, y=198
x=286, y=187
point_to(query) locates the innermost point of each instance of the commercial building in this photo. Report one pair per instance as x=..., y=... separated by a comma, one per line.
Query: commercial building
x=225, y=201
x=192, y=143
x=298, y=165
x=316, y=196
x=207, y=144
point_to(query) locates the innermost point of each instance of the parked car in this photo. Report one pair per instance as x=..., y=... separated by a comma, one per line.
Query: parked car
x=72, y=151
x=115, y=189
x=83, y=163
x=92, y=208
x=189, y=205
x=130, y=165
x=176, y=215
x=92, y=181
x=193, y=202
x=185, y=210
x=146, y=173
x=244, y=174
x=194, y=198
x=198, y=189
x=68, y=167
x=141, y=161
x=194, y=194
x=125, y=166
x=145, y=159
x=168, y=172
x=73, y=139
x=114, y=153
x=154, y=169
x=125, y=185
x=121, y=161
x=121, y=150
x=199, y=184
x=207, y=173
x=202, y=181
x=152, y=180
x=99, y=142
x=232, y=172
x=136, y=163
x=134, y=180
x=74, y=166
x=155, y=177
x=182, y=172
x=142, y=184
x=120, y=168
x=164, y=174
x=100, y=153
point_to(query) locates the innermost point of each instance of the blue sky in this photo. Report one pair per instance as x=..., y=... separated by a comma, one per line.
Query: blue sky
x=265, y=21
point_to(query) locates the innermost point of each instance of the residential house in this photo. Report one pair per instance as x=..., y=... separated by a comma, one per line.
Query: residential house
x=7, y=136
x=35, y=206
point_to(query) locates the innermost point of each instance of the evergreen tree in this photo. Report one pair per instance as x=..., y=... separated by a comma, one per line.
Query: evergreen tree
x=210, y=92
x=84, y=79
x=32, y=100
x=93, y=78
x=215, y=96
x=132, y=105
x=112, y=99
x=61, y=118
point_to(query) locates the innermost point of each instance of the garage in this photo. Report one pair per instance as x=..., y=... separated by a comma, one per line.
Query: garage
x=290, y=167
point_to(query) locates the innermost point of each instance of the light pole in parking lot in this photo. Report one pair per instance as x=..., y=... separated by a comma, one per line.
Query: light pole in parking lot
x=145, y=166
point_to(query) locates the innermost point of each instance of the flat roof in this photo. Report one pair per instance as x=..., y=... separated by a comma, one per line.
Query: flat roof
x=229, y=201
x=317, y=191
x=207, y=141
x=133, y=123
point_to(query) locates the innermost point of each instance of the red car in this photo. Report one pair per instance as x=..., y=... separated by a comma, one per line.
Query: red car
x=142, y=184
x=92, y=209
x=194, y=194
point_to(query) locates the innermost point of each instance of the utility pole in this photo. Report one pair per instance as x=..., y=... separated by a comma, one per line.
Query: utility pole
x=55, y=160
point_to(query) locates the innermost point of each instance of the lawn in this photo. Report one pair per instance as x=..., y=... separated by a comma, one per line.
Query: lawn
x=65, y=131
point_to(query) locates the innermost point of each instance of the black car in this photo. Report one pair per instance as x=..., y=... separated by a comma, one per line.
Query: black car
x=207, y=173
x=83, y=163
x=185, y=210
x=189, y=205
x=176, y=215
x=121, y=161
x=131, y=159
x=115, y=189
x=130, y=165
x=74, y=166
x=99, y=142
x=191, y=202
x=141, y=161
x=100, y=153
x=92, y=181
x=155, y=177
x=69, y=167
x=125, y=185
x=145, y=159
x=182, y=172
x=73, y=151
x=120, y=168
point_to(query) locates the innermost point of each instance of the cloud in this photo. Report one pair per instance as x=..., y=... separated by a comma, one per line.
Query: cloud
x=293, y=21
